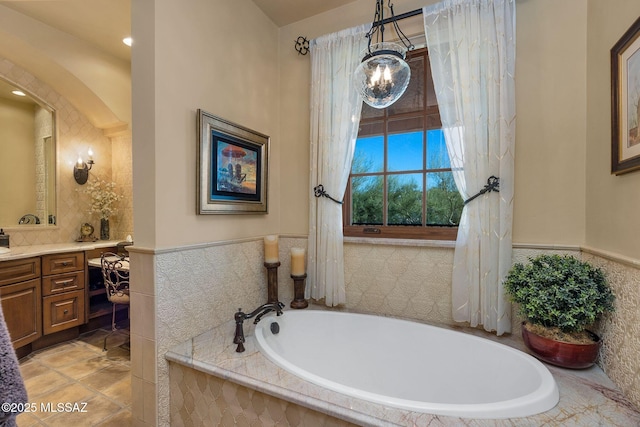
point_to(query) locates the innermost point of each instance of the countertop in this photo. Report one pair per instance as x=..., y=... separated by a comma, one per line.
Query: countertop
x=18, y=252
x=587, y=397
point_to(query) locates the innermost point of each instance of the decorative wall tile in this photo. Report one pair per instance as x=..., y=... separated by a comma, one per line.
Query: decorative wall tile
x=620, y=331
x=587, y=397
x=403, y=281
x=200, y=288
x=122, y=167
x=198, y=399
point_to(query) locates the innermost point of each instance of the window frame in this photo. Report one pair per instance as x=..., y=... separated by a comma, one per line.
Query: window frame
x=423, y=232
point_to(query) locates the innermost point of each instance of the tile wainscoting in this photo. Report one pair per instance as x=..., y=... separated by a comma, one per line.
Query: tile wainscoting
x=199, y=399
x=619, y=356
x=182, y=292
x=412, y=279
x=179, y=293
x=202, y=368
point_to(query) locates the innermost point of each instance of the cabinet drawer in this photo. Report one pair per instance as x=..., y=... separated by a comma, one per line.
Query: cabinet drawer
x=59, y=283
x=62, y=263
x=60, y=312
x=19, y=270
x=21, y=305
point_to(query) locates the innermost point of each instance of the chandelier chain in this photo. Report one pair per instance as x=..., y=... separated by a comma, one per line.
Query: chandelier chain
x=377, y=28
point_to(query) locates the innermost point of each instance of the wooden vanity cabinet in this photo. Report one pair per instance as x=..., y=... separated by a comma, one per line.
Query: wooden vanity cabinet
x=21, y=300
x=63, y=294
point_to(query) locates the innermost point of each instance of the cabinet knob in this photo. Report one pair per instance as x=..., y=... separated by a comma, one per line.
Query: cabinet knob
x=66, y=311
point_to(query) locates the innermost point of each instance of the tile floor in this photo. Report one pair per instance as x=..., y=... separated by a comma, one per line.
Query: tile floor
x=77, y=384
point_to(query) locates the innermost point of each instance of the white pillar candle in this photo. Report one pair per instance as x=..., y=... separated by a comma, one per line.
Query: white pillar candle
x=297, y=262
x=271, y=249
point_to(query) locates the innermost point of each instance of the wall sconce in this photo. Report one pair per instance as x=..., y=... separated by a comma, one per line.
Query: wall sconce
x=81, y=169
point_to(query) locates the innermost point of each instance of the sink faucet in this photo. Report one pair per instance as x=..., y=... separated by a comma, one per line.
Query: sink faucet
x=258, y=313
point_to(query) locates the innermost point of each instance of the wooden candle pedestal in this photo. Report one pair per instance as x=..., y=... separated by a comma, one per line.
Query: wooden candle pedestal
x=298, y=292
x=272, y=281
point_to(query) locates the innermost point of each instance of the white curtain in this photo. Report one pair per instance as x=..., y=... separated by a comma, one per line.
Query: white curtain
x=335, y=117
x=472, y=52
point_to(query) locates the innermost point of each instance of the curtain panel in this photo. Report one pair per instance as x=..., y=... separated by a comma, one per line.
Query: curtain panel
x=335, y=118
x=472, y=53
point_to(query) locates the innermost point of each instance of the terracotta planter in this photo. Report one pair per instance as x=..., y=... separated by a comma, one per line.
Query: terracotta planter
x=566, y=355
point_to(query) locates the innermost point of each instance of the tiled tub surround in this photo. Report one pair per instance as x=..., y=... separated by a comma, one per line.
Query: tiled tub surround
x=587, y=397
x=183, y=292
x=200, y=399
x=406, y=279
x=407, y=365
x=412, y=279
x=620, y=354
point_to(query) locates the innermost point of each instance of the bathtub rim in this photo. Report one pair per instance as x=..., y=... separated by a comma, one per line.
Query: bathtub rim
x=511, y=408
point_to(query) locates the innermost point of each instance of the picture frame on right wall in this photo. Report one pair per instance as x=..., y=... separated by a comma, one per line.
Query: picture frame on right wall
x=625, y=102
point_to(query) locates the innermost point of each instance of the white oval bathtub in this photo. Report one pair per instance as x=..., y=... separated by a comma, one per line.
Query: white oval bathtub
x=408, y=365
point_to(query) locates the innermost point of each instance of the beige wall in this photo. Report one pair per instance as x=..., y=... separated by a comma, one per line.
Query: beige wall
x=613, y=202
x=551, y=99
x=221, y=57
x=217, y=56
x=295, y=73
x=122, y=175
x=551, y=109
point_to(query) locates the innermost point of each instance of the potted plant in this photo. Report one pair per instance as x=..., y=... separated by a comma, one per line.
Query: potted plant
x=560, y=297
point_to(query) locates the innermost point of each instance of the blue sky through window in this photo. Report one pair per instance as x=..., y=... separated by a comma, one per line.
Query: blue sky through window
x=405, y=152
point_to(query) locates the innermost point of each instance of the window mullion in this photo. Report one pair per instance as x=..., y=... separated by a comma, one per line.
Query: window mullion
x=385, y=181
x=405, y=120
x=424, y=174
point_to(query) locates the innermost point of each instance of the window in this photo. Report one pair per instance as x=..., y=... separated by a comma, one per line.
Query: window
x=401, y=185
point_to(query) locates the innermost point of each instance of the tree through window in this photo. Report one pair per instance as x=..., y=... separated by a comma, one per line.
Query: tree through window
x=401, y=183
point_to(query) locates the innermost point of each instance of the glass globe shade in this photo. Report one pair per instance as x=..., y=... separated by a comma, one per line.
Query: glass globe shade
x=383, y=75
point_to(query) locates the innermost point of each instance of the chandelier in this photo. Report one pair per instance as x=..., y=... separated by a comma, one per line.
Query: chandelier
x=383, y=75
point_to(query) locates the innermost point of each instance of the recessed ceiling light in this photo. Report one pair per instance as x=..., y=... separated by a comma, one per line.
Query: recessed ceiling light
x=18, y=93
x=127, y=41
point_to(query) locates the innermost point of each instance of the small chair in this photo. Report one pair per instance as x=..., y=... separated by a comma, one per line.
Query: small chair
x=116, y=280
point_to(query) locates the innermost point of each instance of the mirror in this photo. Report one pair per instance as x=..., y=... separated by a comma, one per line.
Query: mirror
x=27, y=160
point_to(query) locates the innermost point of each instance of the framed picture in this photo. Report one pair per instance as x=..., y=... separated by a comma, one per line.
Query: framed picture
x=233, y=164
x=625, y=102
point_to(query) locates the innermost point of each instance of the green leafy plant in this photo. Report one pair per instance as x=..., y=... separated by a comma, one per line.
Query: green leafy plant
x=559, y=291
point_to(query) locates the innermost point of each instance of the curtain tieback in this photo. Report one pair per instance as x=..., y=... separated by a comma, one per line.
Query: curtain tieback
x=318, y=191
x=493, y=184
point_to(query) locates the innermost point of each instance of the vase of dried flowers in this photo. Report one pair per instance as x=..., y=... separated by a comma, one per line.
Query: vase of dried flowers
x=104, y=229
x=103, y=198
